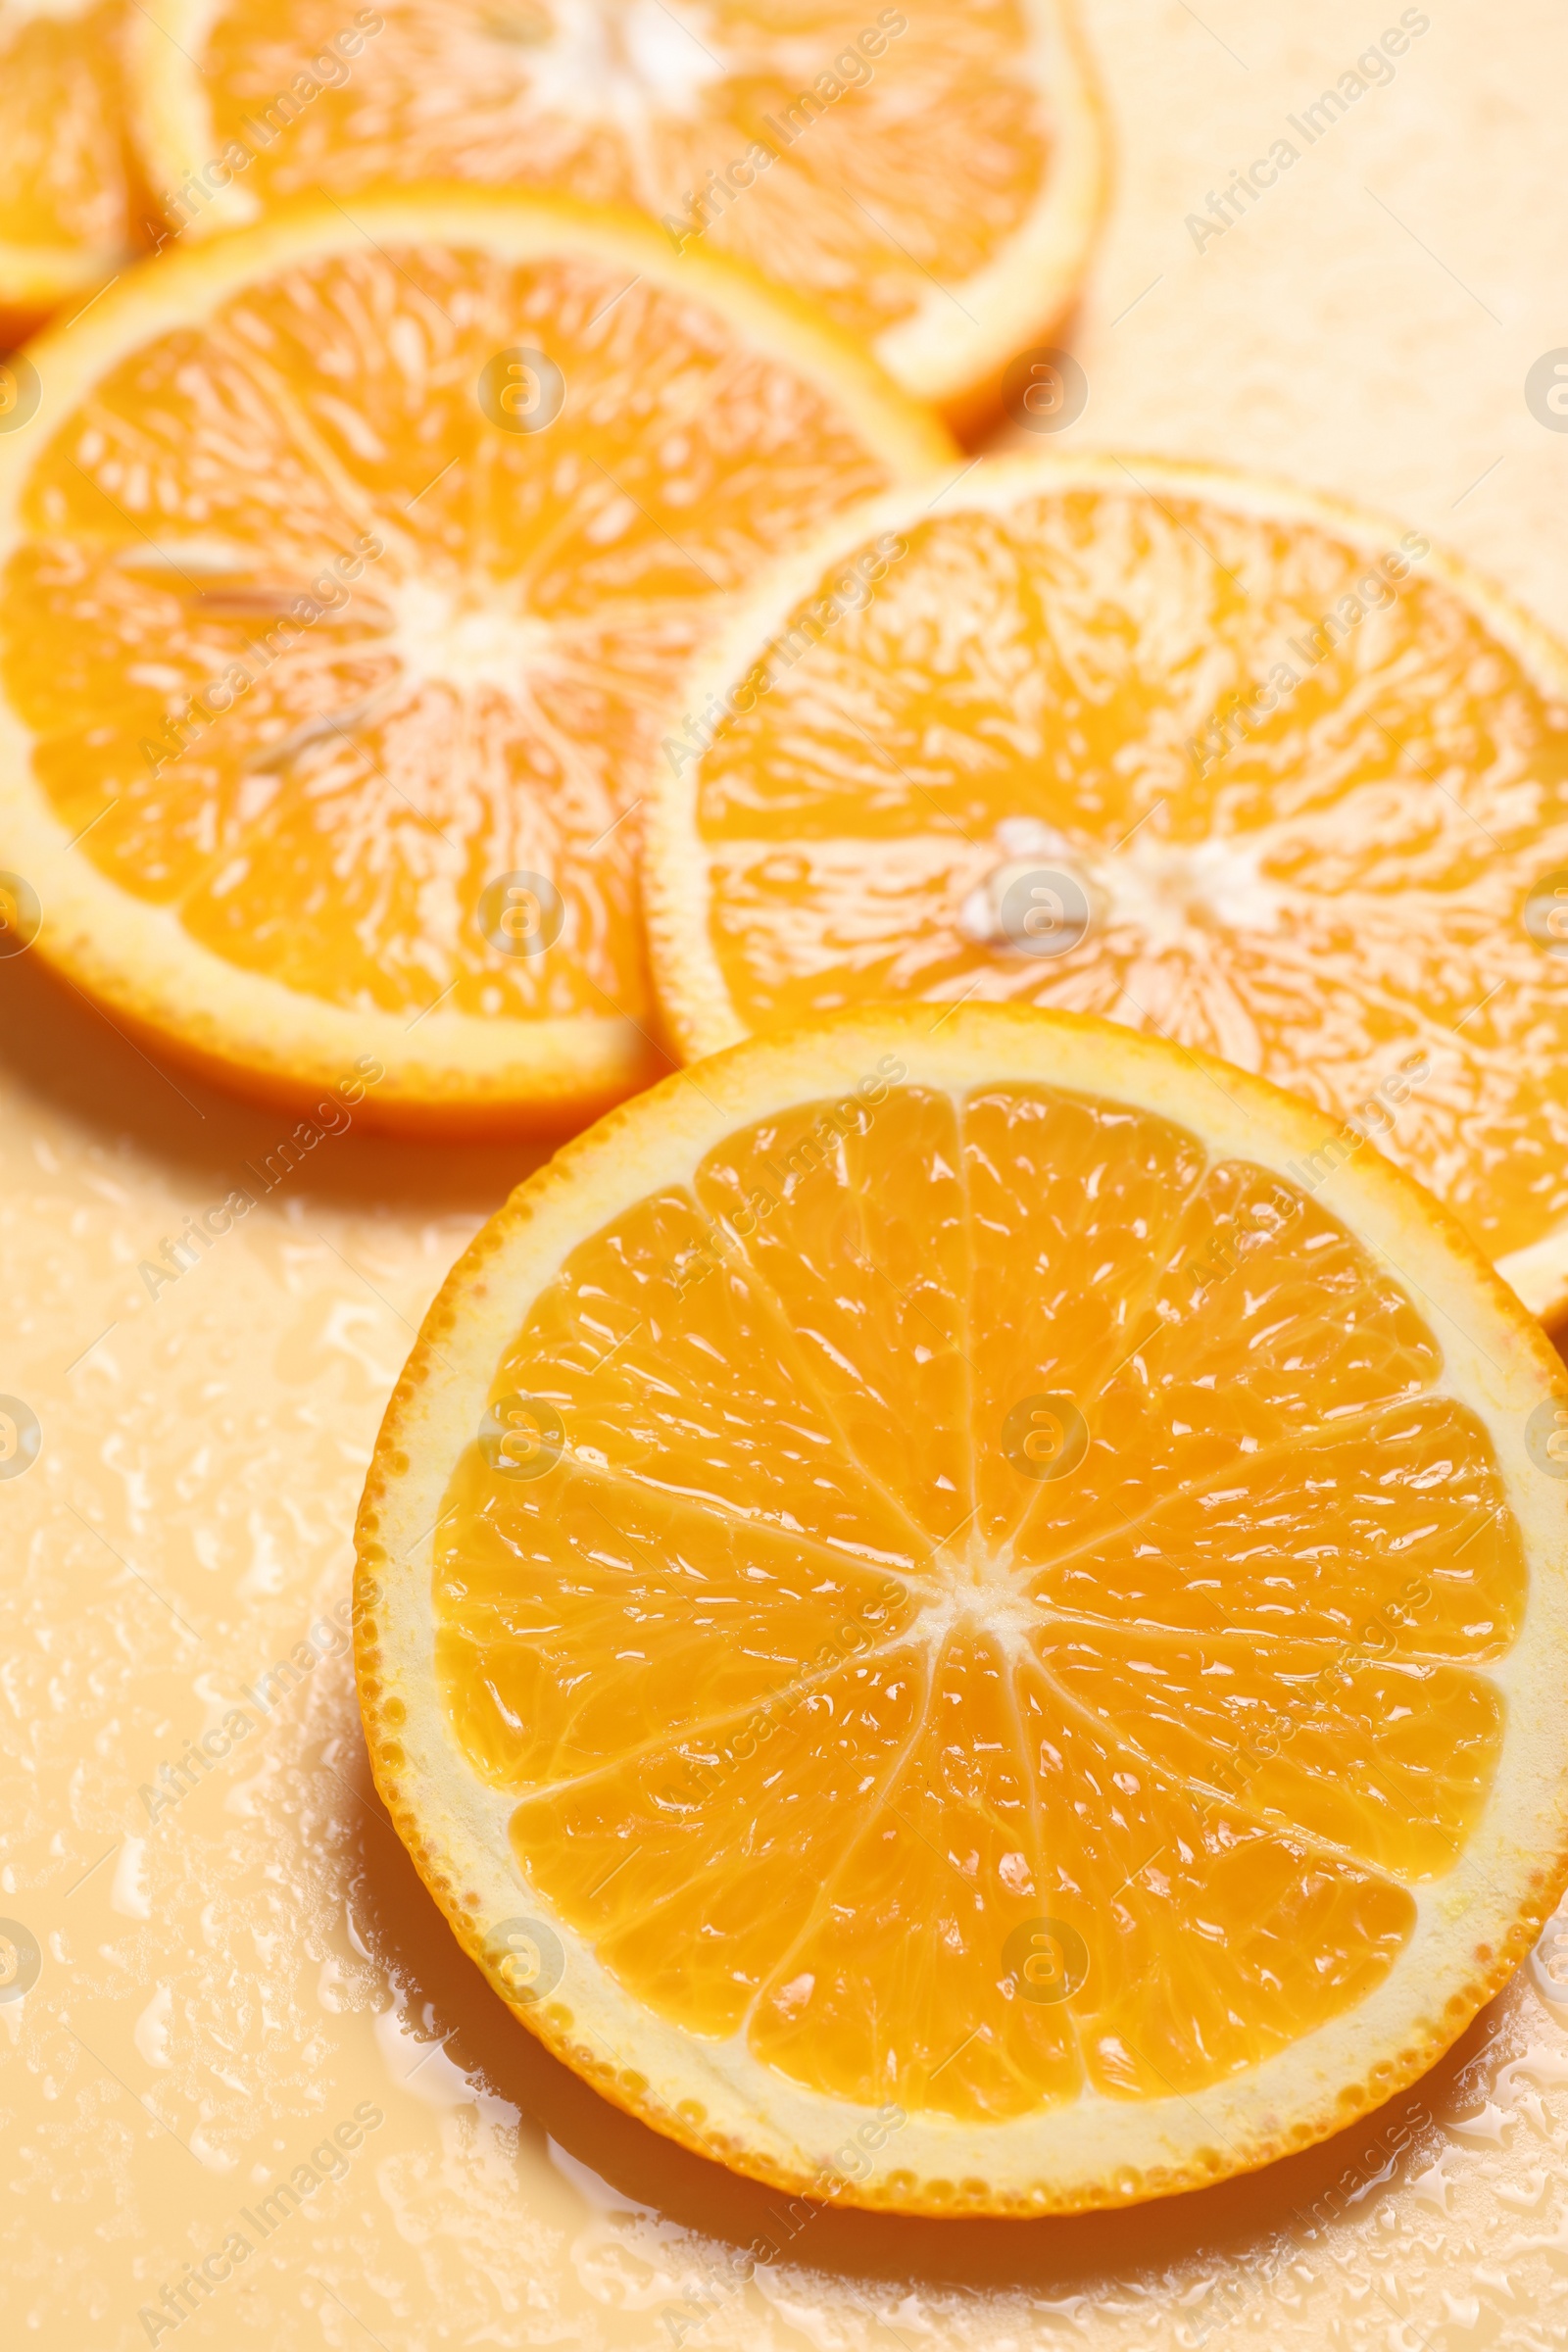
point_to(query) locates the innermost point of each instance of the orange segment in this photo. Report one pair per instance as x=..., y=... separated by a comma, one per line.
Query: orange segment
x=316, y=658
x=891, y=1339
x=1233, y=1534
x=1426, y=1735
x=68, y=196
x=1061, y=1290
x=1299, y=1336
x=690, y=1576
x=1206, y=756
x=930, y=176
x=617, y=1348
x=1119, y=1810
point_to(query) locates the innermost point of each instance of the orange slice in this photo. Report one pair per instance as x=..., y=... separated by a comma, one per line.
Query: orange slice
x=68, y=190
x=343, y=568
x=932, y=176
x=954, y=1629
x=1214, y=757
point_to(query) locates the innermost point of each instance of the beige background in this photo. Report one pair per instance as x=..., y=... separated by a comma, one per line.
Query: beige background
x=221, y=1986
x=1367, y=325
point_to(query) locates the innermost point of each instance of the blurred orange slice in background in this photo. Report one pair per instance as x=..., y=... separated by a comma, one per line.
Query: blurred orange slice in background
x=1215, y=758
x=345, y=565
x=932, y=176
x=68, y=186
x=955, y=1632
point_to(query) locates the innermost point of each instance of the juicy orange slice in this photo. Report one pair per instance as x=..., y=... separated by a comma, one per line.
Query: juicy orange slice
x=67, y=193
x=344, y=566
x=956, y=1629
x=1218, y=759
x=931, y=176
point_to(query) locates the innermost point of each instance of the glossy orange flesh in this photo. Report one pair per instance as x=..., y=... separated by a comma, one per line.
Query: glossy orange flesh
x=62, y=103
x=313, y=653
x=1314, y=807
x=826, y=1662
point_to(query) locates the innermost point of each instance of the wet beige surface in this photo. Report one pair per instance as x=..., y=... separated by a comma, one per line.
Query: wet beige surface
x=225, y=1979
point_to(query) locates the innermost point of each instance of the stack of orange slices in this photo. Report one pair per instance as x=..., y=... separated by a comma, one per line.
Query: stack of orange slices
x=962, y=1604
x=931, y=176
x=1238, y=766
